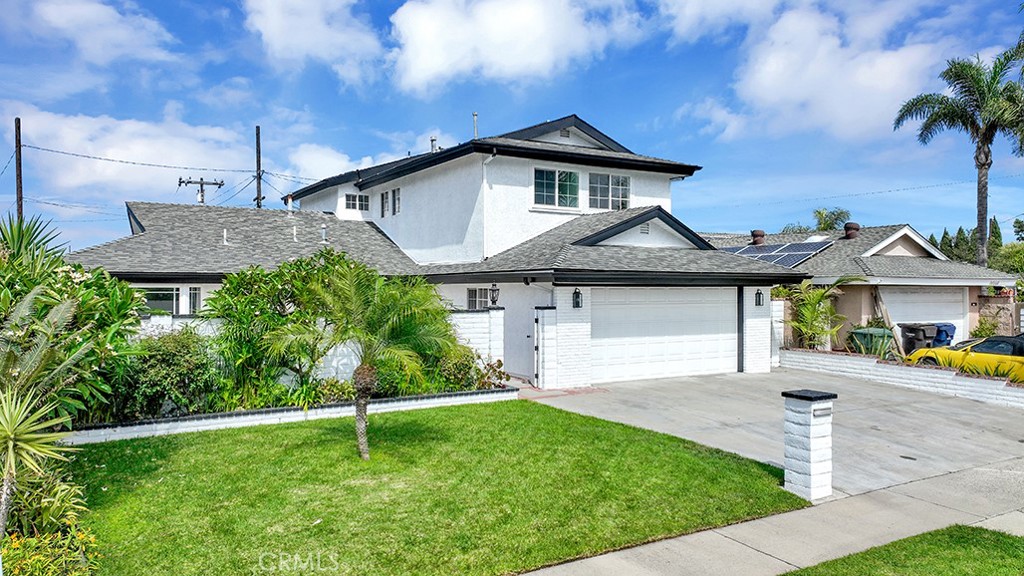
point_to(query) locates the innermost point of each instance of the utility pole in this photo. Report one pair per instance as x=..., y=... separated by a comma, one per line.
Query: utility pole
x=201, y=195
x=259, y=172
x=19, y=193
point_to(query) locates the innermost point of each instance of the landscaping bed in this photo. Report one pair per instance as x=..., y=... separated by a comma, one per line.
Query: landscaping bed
x=953, y=551
x=484, y=489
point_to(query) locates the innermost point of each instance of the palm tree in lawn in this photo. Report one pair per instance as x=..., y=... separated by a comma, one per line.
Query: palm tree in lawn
x=981, y=103
x=394, y=322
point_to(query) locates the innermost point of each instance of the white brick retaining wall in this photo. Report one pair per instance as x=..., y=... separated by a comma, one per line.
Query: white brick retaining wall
x=929, y=379
x=203, y=422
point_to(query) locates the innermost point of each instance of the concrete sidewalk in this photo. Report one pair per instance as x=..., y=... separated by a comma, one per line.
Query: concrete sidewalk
x=991, y=496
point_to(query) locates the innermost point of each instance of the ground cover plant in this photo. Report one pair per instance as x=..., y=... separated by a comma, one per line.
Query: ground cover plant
x=481, y=489
x=953, y=551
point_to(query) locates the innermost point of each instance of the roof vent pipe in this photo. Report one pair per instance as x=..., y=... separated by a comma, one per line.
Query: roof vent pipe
x=757, y=237
x=323, y=233
x=225, y=236
x=476, y=133
x=433, y=143
x=851, y=230
x=288, y=201
x=295, y=233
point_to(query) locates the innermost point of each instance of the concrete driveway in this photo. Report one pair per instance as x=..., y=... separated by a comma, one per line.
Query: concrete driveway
x=882, y=435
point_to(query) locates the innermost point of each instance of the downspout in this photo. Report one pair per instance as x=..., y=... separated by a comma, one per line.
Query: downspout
x=494, y=154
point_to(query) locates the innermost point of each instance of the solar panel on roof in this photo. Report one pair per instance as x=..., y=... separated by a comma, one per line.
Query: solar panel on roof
x=760, y=249
x=771, y=258
x=732, y=249
x=809, y=247
x=791, y=260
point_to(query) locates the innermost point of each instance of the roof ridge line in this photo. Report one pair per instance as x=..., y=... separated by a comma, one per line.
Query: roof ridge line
x=108, y=243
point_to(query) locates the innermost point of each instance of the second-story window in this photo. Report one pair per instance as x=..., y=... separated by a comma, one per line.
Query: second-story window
x=556, y=188
x=609, y=191
x=383, y=204
x=357, y=202
x=396, y=201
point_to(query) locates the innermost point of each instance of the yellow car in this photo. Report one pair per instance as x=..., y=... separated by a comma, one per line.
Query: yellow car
x=994, y=356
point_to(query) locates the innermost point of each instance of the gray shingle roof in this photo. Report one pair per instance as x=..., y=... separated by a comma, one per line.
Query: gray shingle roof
x=557, y=249
x=844, y=257
x=181, y=239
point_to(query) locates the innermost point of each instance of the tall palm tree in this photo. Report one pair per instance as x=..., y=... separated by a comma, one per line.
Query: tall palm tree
x=982, y=104
x=830, y=219
x=382, y=320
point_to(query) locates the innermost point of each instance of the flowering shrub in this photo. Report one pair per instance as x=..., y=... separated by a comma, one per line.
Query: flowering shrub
x=70, y=553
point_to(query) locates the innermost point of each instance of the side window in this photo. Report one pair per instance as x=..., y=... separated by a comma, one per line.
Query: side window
x=396, y=201
x=195, y=300
x=477, y=298
x=1000, y=347
x=383, y=204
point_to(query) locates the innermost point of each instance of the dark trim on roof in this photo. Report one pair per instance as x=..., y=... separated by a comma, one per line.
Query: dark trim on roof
x=570, y=121
x=133, y=221
x=198, y=277
x=645, y=216
x=612, y=278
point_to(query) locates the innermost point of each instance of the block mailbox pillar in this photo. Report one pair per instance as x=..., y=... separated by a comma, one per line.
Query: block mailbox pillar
x=808, y=428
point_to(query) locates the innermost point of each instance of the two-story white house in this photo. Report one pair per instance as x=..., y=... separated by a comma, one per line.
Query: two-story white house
x=595, y=280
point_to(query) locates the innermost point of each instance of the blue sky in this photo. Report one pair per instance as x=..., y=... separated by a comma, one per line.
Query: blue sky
x=788, y=105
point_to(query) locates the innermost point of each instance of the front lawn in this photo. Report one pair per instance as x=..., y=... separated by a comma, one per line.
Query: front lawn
x=953, y=551
x=482, y=489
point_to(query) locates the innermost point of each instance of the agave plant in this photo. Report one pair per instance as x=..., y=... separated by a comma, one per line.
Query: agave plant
x=28, y=438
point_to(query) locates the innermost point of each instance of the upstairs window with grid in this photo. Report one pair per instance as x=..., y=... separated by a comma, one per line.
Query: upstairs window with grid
x=357, y=202
x=383, y=204
x=396, y=201
x=556, y=188
x=608, y=191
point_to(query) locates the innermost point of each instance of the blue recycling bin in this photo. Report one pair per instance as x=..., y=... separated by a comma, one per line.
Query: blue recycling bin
x=943, y=334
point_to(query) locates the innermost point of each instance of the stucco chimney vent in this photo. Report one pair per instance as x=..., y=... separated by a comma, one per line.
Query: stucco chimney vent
x=757, y=237
x=323, y=233
x=851, y=230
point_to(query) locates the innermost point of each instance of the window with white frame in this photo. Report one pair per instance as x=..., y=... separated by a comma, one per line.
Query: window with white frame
x=163, y=299
x=396, y=201
x=609, y=191
x=383, y=204
x=478, y=298
x=195, y=300
x=556, y=188
x=357, y=202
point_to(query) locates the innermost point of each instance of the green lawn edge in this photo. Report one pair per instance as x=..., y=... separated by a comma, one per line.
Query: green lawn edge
x=491, y=488
x=954, y=551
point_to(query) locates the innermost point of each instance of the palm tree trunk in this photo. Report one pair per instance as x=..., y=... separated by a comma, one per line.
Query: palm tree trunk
x=364, y=379
x=6, y=495
x=982, y=161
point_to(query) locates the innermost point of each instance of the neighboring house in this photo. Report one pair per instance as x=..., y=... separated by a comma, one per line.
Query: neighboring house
x=598, y=281
x=912, y=279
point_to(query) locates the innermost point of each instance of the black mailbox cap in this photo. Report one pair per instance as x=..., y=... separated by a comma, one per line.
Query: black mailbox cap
x=810, y=395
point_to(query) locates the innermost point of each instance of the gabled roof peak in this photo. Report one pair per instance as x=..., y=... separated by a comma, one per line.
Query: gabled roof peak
x=570, y=121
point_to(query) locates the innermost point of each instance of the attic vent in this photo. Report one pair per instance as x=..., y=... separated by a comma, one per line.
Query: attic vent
x=816, y=239
x=564, y=133
x=645, y=228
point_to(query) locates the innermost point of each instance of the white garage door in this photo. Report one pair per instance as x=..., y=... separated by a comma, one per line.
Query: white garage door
x=661, y=332
x=919, y=304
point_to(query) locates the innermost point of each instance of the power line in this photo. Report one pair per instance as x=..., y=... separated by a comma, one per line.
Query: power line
x=9, y=160
x=298, y=179
x=239, y=191
x=133, y=162
x=85, y=207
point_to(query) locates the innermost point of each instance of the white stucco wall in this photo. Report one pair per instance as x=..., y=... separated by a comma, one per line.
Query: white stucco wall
x=575, y=138
x=757, y=331
x=512, y=217
x=654, y=235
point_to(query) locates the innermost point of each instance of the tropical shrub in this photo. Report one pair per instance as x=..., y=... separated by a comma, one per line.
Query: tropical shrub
x=69, y=553
x=333, y=390
x=986, y=327
x=46, y=503
x=815, y=321
x=170, y=374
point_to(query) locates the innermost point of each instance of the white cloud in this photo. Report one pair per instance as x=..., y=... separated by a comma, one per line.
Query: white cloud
x=327, y=31
x=230, y=93
x=442, y=41
x=805, y=74
x=727, y=124
x=167, y=141
x=691, y=20
x=101, y=33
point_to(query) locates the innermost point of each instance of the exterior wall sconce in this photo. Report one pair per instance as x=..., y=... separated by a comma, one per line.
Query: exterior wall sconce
x=493, y=293
x=577, y=299
x=758, y=298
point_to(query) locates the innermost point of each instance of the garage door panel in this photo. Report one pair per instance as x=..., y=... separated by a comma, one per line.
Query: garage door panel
x=662, y=332
x=907, y=304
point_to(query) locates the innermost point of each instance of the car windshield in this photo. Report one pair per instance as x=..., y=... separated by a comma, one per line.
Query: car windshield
x=965, y=344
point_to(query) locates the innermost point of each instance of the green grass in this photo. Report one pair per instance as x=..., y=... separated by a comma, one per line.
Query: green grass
x=953, y=551
x=482, y=489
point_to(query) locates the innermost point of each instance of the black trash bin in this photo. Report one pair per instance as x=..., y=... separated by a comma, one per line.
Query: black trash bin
x=917, y=335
